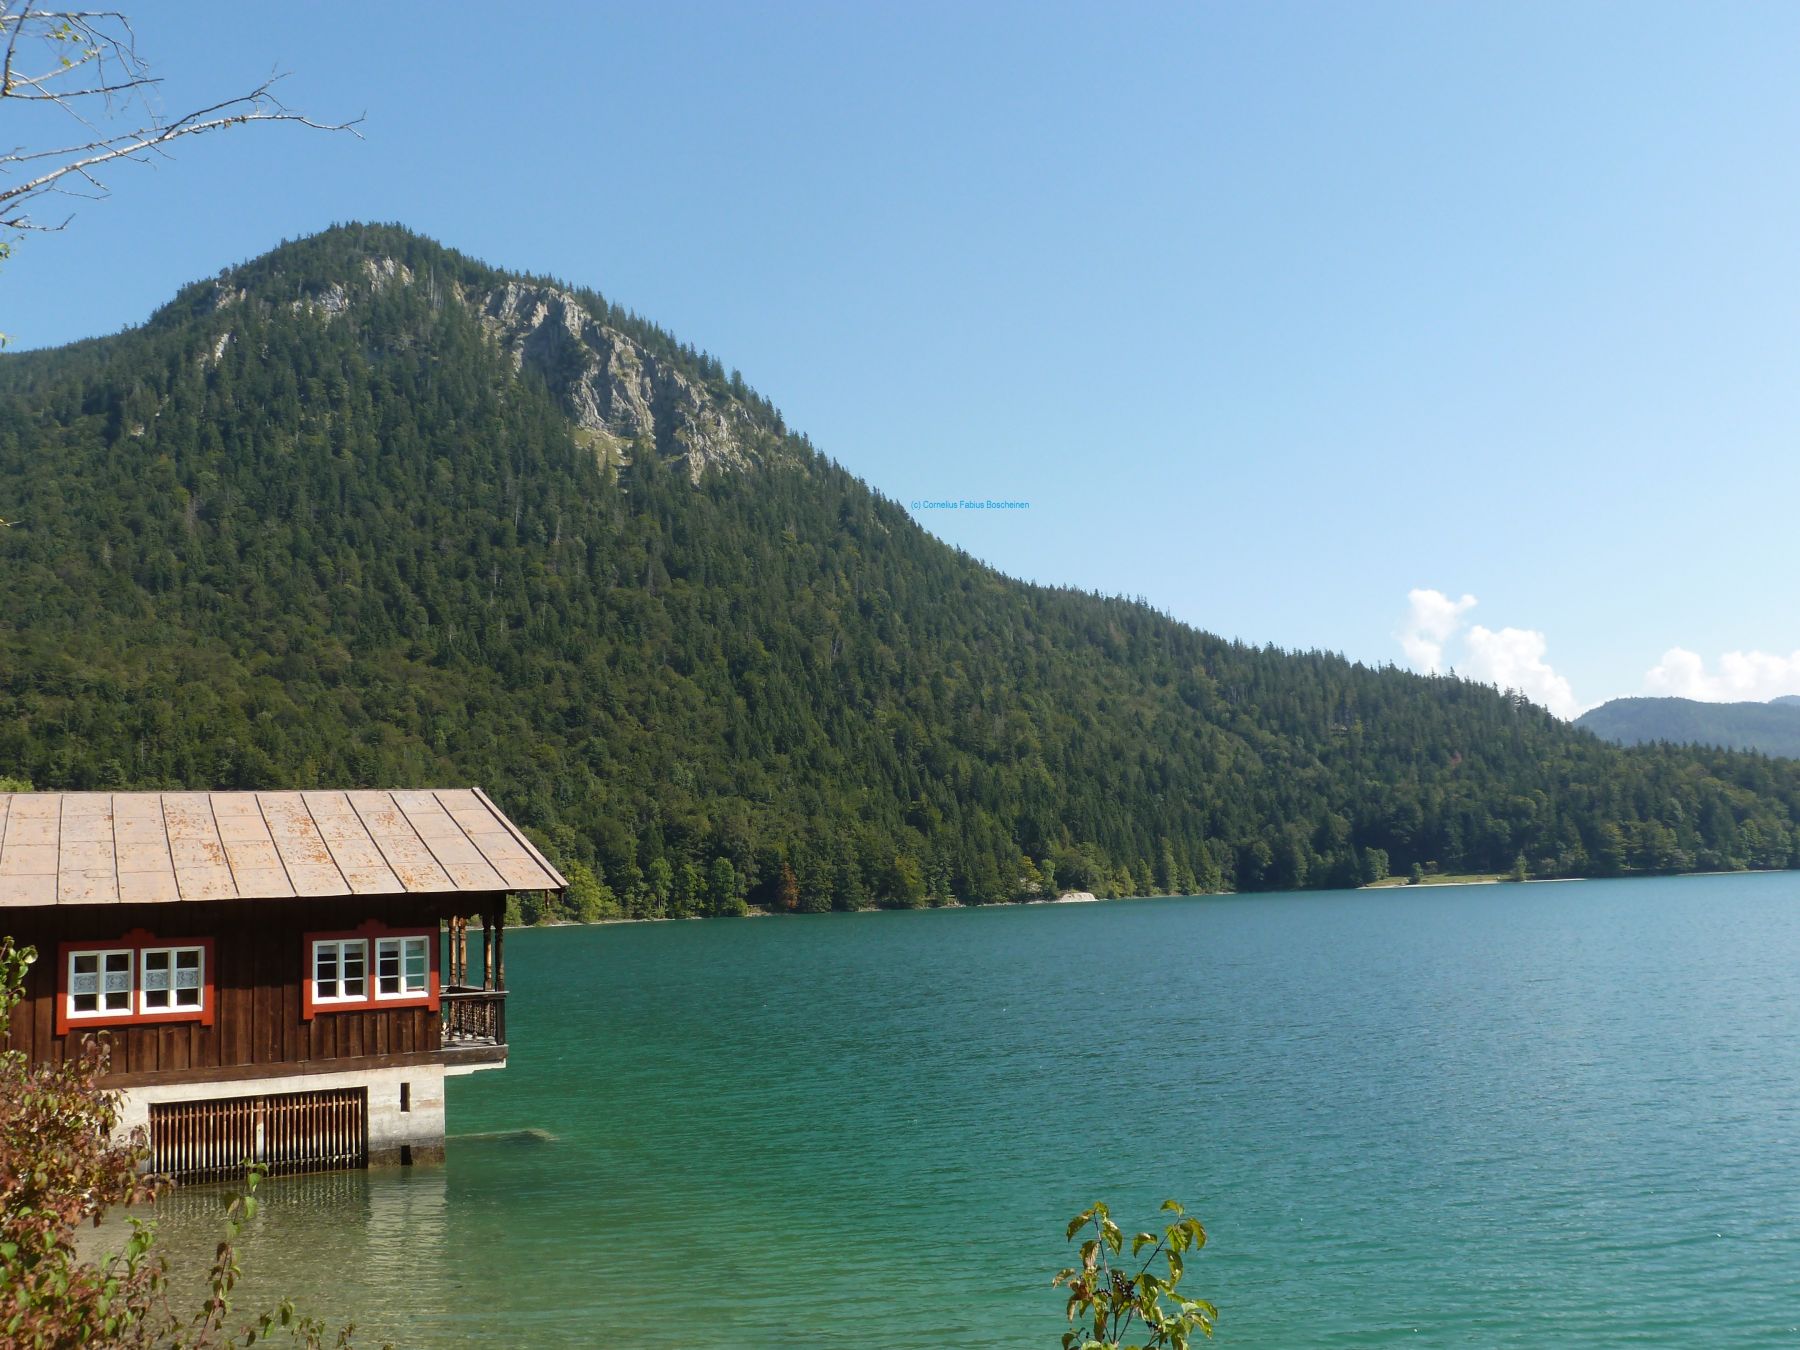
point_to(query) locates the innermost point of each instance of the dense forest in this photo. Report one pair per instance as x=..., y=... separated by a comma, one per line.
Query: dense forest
x=313, y=525
x=1772, y=727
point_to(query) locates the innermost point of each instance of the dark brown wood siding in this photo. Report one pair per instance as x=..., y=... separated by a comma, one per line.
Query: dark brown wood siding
x=259, y=963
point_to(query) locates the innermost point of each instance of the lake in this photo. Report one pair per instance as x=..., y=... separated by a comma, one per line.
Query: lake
x=1560, y=1114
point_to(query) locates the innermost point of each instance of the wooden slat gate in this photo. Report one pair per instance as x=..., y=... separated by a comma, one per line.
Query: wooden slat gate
x=289, y=1132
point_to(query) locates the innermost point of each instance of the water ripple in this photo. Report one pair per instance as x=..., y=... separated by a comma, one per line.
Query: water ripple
x=1502, y=1117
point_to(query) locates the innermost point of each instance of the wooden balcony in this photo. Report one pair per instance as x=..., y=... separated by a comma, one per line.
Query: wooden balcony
x=474, y=1027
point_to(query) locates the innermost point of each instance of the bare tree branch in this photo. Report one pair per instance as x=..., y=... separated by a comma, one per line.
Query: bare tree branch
x=91, y=71
x=12, y=47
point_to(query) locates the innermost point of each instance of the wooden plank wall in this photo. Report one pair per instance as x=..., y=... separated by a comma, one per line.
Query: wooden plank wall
x=258, y=966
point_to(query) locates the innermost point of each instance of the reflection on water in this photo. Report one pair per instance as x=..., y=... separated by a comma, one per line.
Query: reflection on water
x=368, y=1246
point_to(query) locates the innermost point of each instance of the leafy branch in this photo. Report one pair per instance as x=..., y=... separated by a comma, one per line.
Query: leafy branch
x=63, y=1164
x=1108, y=1297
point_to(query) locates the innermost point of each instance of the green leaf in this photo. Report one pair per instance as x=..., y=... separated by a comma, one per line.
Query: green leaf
x=1110, y=1230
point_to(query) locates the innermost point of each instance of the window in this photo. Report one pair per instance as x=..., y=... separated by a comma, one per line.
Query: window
x=100, y=983
x=402, y=967
x=341, y=970
x=139, y=977
x=172, y=978
x=368, y=969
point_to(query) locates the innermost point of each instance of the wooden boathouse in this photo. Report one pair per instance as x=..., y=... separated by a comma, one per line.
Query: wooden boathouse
x=282, y=977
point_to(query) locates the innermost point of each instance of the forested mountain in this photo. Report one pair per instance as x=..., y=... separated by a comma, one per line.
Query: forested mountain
x=365, y=511
x=1772, y=728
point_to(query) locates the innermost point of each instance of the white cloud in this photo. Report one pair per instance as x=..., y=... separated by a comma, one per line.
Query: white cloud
x=1512, y=658
x=1741, y=677
x=1431, y=617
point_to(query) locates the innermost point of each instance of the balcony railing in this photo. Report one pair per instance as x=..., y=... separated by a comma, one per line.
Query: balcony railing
x=473, y=1017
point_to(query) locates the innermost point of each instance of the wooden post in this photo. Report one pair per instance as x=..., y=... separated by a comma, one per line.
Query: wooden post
x=500, y=946
x=459, y=949
x=487, y=953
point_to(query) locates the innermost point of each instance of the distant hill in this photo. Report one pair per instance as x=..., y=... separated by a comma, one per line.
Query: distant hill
x=1772, y=727
x=366, y=511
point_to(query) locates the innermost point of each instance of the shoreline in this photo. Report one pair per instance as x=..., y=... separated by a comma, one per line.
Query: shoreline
x=1402, y=884
x=1089, y=898
x=1068, y=898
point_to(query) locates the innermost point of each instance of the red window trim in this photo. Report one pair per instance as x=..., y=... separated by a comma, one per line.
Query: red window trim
x=371, y=930
x=137, y=941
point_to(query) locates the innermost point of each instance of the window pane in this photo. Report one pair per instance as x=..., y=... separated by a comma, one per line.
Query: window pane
x=355, y=959
x=325, y=970
x=416, y=965
x=116, y=982
x=188, y=977
x=387, y=966
x=156, y=970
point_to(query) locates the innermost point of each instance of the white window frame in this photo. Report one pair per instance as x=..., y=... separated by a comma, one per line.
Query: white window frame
x=173, y=952
x=339, y=946
x=399, y=945
x=102, y=1013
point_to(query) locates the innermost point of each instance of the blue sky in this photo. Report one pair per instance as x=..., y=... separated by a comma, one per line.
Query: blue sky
x=1277, y=314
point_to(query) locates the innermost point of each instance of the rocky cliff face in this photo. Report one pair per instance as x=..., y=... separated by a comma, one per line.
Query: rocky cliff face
x=615, y=391
x=620, y=396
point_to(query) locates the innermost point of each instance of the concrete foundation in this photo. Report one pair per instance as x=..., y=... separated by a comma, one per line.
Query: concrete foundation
x=405, y=1114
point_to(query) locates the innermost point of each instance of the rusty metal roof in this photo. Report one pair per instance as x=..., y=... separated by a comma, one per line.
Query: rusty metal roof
x=93, y=848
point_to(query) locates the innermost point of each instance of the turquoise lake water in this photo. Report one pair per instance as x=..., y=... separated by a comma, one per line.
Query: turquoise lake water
x=1547, y=1115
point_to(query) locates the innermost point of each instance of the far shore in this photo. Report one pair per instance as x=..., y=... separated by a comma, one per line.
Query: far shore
x=1088, y=897
x=1482, y=879
x=755, y=912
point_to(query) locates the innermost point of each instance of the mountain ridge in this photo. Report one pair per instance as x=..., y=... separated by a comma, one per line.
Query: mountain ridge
x=621, y=393
x=364, y=510
x=1771, y=728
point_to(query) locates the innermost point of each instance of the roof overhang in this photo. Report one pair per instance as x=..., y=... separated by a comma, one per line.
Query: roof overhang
x=95, y=848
